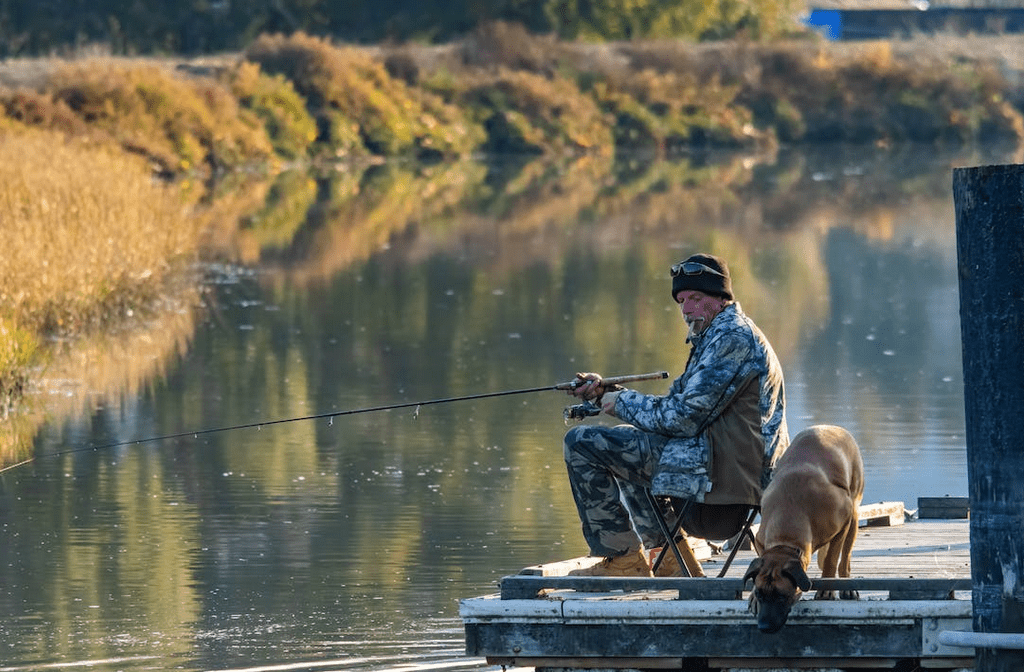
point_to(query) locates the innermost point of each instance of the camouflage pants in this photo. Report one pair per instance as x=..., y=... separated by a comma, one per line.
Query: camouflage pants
x=609, y=469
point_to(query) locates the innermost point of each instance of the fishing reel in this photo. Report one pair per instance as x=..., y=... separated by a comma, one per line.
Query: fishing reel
x=580, y=411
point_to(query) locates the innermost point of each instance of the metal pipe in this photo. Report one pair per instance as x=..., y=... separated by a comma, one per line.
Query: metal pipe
x=982, y=640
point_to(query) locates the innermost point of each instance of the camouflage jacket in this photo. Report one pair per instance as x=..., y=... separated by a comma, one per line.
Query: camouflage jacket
x=730, y=354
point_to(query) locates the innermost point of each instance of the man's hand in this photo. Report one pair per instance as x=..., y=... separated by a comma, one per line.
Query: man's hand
x=588, y=386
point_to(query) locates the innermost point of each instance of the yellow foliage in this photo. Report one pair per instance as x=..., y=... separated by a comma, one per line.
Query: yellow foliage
x=180, y=123
x=365, y=107
x=274, y=100
x=83, y=226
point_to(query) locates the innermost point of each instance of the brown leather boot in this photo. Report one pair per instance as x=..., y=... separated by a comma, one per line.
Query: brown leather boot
x=633, y=563
x=670, y=566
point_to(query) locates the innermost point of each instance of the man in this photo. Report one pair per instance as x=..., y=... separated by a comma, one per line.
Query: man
x=709, y=444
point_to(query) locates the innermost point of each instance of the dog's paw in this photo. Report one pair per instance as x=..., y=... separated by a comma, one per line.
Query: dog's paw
x=849, y=595
x=825, y=595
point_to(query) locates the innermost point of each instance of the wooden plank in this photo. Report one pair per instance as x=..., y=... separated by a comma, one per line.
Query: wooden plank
x=561, y=568
x=943, y=507
x=917, y=549
x=593, y=664
x=597, y=664
x=694, y=640
x=604, y=633
x=647, y=608
x=882, y=514
x=914, y=549
x=801, y=663
x=524, y=587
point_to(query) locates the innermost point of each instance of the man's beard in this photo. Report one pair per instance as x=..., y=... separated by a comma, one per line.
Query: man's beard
x=695, y=326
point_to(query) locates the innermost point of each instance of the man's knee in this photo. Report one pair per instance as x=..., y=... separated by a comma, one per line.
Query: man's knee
x=574, y=438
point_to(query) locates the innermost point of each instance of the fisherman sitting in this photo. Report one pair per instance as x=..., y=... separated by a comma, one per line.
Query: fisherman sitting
x=709, y=444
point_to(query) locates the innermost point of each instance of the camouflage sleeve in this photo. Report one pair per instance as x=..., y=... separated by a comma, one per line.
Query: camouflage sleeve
x=709, y=385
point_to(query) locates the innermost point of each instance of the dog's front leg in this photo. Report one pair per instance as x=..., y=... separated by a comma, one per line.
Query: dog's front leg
x=828, y=560
x=844, y=559
x=834, y=560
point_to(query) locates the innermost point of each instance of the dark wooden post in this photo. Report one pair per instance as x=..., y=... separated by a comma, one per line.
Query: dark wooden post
x=989, y=203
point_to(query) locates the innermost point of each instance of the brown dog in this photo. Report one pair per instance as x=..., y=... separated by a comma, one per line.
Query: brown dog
x=810, y=505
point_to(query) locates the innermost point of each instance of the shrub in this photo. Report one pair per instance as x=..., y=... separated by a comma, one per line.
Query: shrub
x=635, y=126
x=873, y=94
x=42, y=111
x=274, y=100
x=530, y=111
x=501, y=44
x=181, y=124
x=686, y=111
x=18, y=351
x=360, y=107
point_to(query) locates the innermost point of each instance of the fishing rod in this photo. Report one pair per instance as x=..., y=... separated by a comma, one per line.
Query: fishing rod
x=568, y=386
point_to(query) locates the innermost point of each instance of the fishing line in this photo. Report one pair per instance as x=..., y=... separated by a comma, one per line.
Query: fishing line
x=335, y=414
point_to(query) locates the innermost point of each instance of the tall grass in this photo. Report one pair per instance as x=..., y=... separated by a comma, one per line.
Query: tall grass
x=88, y=236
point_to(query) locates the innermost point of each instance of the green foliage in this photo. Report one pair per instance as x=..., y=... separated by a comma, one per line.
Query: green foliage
x=531, y=113
x=871, y=95
x=274, y=100
x=165, y=26
x=670, y=110
x=636, y=127
x=18, y=351
x=694, y=19
x=291, y=196
x=360, y=107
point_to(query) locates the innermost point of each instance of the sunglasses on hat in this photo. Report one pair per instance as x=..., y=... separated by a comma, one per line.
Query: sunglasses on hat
x=693, y=268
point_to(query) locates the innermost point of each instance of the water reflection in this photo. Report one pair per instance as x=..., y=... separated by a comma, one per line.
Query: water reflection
x=345, y=544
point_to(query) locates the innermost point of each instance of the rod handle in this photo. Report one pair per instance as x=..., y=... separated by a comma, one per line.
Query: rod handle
x=617, y=380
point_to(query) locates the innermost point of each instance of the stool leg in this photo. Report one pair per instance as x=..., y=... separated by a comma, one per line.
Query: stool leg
x=684, y=554
x=693, y=566
x=745, y=532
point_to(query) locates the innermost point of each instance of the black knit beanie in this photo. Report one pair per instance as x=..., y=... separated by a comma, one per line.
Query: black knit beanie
x=700, y=280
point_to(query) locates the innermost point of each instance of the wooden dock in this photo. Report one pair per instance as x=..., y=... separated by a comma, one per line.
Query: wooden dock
x=913, y=578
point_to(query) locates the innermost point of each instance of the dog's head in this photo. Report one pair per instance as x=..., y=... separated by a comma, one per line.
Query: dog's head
x=778, y=581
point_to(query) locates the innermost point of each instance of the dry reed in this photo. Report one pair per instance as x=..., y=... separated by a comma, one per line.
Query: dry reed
x=88, y=236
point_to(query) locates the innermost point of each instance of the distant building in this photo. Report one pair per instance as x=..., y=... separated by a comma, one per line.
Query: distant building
x=872, y=19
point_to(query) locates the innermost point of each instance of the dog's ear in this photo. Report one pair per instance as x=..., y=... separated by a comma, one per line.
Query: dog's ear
x=753, y=570
x=794, y=571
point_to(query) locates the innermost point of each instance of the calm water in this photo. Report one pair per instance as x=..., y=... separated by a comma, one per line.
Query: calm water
x=345, y=544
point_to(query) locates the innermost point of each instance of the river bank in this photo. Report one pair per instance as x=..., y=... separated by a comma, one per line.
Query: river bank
x=502, y=90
